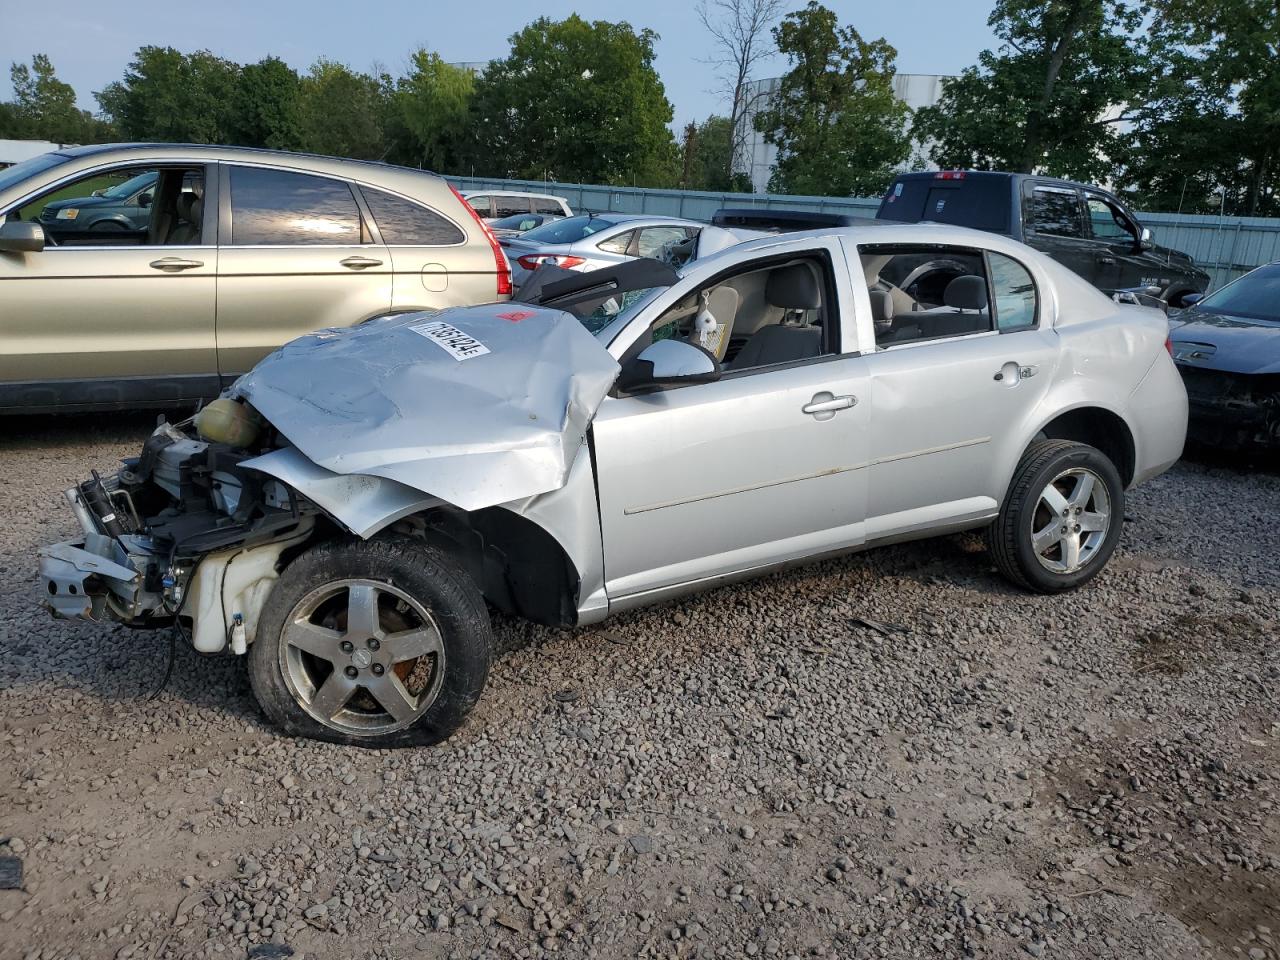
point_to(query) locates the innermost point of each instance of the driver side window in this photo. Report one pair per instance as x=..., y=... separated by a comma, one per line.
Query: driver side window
x=123, y=207
x=1107, y=221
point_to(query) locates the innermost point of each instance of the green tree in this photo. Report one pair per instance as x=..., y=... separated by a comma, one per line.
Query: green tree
x=432, y=103
x=836, y=122
x=1209, y=140
x=575, y=100
x=342, y=112
x=705, y=154
x=264, y=106
x=44, y=107
x=171, y=97
x=1047, y=100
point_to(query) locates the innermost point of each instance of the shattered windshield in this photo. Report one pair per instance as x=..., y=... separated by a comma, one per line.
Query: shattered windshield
x=597, y=314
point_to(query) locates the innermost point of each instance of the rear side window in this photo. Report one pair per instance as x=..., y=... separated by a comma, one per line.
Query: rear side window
x=1015, y=293
x=480, y=205
x=925, y=293
x=279, y=207
x=1055, y=212
x=978, y=202
x=404, y=223
x=509, y=206
x=548, y=206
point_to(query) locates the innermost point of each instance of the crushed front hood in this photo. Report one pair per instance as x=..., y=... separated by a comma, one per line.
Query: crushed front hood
x=475, y=405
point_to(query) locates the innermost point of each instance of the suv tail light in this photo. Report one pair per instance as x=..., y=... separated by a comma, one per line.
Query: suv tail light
x=531, y=261
x=499, y=258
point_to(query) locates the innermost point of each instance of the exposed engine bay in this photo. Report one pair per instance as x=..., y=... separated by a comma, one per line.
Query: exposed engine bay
x=182, y=534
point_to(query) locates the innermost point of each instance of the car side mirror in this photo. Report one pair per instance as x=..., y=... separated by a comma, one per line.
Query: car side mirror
x=21, y=236
x=144, y=200
x=1144, y=239
x=668, y=363
x=1191, y=299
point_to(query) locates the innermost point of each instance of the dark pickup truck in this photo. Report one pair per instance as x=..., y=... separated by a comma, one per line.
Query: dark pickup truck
x=1083, y=227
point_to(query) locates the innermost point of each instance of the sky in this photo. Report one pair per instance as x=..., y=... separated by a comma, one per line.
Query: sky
x=91, y=43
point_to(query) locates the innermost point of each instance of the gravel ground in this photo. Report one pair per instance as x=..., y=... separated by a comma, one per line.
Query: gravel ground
x=753, y=772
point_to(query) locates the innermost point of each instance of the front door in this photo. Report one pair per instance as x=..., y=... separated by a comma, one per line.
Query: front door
x=762, y=466
x=295, y=255
x=119, y=306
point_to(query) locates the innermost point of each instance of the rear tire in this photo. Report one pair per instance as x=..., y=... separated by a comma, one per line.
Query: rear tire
x=381, y=644
x=1061, y=519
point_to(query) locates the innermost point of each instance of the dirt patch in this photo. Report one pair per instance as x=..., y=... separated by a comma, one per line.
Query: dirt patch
x=1188, y=638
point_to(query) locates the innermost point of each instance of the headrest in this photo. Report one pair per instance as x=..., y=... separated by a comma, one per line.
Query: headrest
x=793, y=288
x=188, y=207
x=881, y=310
x=966, y=293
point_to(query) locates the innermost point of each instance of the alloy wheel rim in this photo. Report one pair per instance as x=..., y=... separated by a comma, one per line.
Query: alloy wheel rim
x=362, y=657
x=1070, y=521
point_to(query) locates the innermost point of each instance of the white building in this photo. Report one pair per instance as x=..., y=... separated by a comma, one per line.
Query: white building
x=15, y=151
x=758, y=157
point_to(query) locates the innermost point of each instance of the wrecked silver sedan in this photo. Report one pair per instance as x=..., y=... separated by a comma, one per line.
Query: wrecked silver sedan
x=347, y=512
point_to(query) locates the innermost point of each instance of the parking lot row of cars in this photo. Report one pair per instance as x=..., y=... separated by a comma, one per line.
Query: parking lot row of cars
x=597, y=414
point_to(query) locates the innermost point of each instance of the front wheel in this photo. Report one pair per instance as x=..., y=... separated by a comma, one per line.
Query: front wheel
x=1061, y=519
x=378, y=644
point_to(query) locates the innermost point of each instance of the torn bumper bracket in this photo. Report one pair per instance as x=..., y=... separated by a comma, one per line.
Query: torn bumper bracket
x=78, y=576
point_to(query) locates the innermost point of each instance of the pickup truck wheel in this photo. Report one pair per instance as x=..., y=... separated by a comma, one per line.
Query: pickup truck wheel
x=378, y=644
x=1061, y=519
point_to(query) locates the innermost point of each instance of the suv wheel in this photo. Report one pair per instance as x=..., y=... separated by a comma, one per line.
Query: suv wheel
x=1061, y=519
x=377, y=644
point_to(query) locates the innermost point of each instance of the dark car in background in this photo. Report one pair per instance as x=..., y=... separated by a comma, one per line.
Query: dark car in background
x=124, y=207
x=1227, y=348
x=1083, y=227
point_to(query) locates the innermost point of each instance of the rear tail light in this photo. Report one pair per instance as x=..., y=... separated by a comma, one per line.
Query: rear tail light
x=1168, y=345
x=499, y=258
x=531, y=261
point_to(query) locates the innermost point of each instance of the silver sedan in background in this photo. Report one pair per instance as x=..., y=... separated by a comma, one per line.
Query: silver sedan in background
x=594, y=240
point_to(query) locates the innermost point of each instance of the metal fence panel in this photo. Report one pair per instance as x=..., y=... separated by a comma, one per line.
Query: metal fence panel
x=1225, y=247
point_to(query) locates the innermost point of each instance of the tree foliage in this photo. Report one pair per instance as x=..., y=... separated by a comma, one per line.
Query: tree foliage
x=44, y=107
x=172, y=97
x=1210, y=139
x=706, y=150
x=836, y=122
x=341, y=112
x=432, y=105
x=265, y=107
x=575, y=100
x=1046, y=100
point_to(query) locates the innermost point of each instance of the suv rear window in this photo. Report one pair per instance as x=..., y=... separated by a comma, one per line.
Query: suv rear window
x=408, y=224
x=978, y=202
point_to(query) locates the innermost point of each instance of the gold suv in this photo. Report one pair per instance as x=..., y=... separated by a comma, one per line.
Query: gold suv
x=153, y=274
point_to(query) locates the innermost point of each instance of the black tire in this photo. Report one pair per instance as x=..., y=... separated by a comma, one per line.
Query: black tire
x=428, y=597
x=1010, y=536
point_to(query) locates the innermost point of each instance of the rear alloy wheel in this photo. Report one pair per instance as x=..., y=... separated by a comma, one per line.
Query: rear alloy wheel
x=381, y=644
x=1061, y=519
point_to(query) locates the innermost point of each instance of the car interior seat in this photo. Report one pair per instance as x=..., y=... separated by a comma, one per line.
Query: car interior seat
x=794, y=288
x=186, y=230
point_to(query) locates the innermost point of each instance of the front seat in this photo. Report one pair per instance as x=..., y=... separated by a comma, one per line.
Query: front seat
x=190, y=219
x=966, y=293
x=794, y=288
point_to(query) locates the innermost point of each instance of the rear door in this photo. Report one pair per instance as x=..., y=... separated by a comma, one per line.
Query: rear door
x=295, y=255
x=107, y=313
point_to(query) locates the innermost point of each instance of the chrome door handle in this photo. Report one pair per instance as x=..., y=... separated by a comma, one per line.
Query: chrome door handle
x=824, y=405
x=1105, y=260
x=360, y=263
x=1023, y=372
x=175, y=264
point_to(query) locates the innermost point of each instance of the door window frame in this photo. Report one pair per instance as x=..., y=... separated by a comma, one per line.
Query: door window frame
x=1114, y=205
x=369, y=233
x=1028, y=222
x=209, y=215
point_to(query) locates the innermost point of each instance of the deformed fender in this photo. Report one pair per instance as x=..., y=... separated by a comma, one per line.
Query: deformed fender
x=361, y=503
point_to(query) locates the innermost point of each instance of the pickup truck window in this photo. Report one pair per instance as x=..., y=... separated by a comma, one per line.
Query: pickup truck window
x=1107, y=221
x=1055, y=212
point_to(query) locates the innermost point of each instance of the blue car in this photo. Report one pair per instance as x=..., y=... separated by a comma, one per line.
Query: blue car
x=1227, y=347
x=124, y=208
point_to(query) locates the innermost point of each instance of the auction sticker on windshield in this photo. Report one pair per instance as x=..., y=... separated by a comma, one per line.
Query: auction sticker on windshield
x=459, y=345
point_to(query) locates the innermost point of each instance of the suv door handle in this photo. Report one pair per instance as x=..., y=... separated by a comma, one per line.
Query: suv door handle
x=1105, y=259
x=360, y=263
x=175, y=264
x=824, y=405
